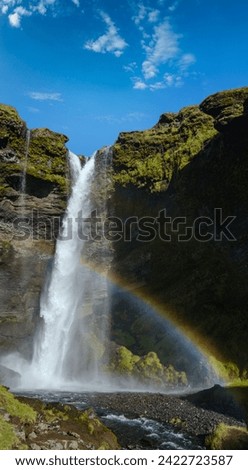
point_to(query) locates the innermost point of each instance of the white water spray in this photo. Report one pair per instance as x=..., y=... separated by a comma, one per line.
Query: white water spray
x=62, y=296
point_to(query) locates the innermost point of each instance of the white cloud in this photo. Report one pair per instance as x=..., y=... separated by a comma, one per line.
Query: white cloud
x=139, y=85
x=4, y=9
x=153, y=16
x=76, y=2
x=163, y=47
x=186, y=61
x=145, y=13
x=16, y=11
x=173, y=80
x=142, y=12
x=15, y=20
x=40, y=96
x=42, y=6
x=111, y=41
x=157, y=86
x=174, y=6
x=131, y=67
x=16, y=17
x=149, y=70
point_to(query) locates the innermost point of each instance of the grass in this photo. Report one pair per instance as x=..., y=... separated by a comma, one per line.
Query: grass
x=227, y=437
x=15, y=408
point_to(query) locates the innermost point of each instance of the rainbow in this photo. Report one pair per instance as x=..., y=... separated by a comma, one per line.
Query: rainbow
x=137, y=292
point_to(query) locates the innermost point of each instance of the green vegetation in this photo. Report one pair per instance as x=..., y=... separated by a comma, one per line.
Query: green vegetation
x=8, y=438
x=146, y=369
x=227, y=438
x=225, y=106
x=12, y=413
x=177, y=422
x=47, y=157
x=15, y=408
x=27, y=421
x=150, y=158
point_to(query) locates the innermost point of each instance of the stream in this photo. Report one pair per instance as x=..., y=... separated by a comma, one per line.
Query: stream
x=133, y=431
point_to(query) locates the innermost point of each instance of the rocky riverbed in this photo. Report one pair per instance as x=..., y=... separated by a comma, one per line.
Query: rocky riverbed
x=151, y=420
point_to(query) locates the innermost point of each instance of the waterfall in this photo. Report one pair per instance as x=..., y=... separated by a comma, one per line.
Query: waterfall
x=62, y=295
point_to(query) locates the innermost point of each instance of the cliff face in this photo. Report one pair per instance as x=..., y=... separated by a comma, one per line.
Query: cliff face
x=191, y=167
x=33, y=191
x=193, y=164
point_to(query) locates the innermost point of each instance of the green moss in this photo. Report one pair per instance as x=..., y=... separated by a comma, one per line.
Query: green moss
x=47, y=157
x=147, y=369
x=8, y=438
x=91, y=421
x=13, y=129
x=15, y=408
x=227, y=438
x=124, y=361
x=52, y=414
x=226, y=105
x=227, y=370
x=150, y=158
x=46, y=152
x=177, y=422
x=104, y=446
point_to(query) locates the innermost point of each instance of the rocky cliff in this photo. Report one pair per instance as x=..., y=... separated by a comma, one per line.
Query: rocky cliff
x=187, y=175
x=33, y=190
x=193, y=165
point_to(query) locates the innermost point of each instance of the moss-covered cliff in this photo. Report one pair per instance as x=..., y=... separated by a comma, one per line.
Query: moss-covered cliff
x=33, y=190
x=190, y=164
x=150, y=158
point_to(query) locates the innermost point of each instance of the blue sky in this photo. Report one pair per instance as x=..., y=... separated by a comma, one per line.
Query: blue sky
x=91, y=69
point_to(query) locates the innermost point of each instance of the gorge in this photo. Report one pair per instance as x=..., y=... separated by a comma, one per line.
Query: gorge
x=109, y=313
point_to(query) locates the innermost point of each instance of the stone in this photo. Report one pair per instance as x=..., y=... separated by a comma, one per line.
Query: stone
x=73, y=445
x=35, y=447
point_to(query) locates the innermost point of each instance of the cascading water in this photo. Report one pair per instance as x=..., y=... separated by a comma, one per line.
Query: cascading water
x=55, y=357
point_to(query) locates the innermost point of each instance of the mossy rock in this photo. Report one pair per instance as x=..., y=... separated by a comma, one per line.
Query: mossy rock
x=44, y=158
x=225, y=106
x=149, y=159
x=13, y=133
x=227, y=437
x=27, y=423
x=146, y=369
x=15, y=408
x=47, y=157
